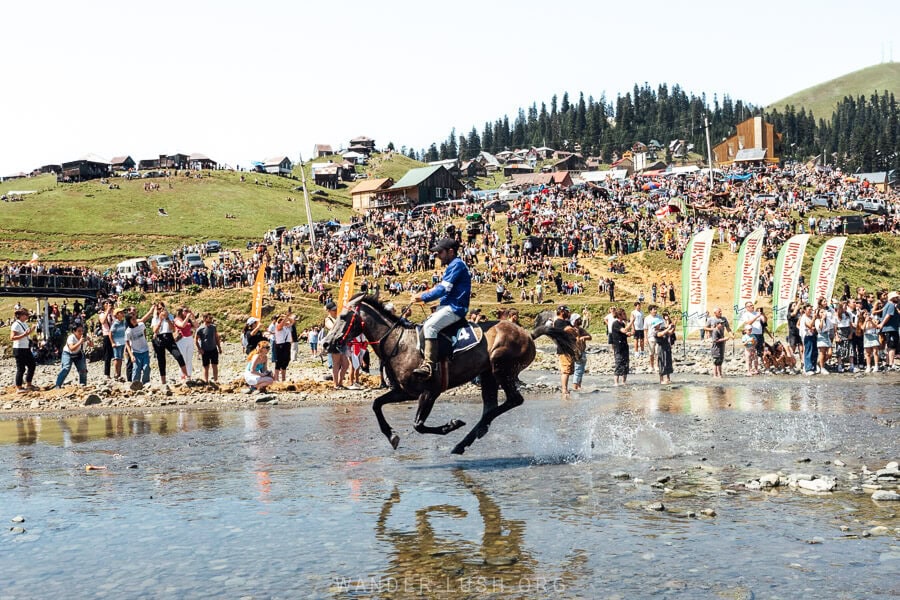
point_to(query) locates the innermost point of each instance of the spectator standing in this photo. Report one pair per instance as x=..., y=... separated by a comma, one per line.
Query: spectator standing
x=619, y=341
x=105, y=318
x=582, y=337
x=637, y=324
x=566, y=363
x=116, y=336
x=806, y=325
x=665, y=338
x=890, y=326
x=184, y=337
x=281, y=342
x=164, y=341
x=21, y=343
x=73, y=353
x=718, y=347
x=652, y=324
x=209, y=345
x=138, y=349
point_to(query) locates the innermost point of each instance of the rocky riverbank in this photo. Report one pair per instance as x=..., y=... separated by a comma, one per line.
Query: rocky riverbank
x=309, y=383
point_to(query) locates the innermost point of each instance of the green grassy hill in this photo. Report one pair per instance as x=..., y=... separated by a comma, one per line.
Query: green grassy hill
x=89, y=222
x=823, y=98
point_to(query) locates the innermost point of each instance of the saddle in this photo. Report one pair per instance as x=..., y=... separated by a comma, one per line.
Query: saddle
x=453, y=339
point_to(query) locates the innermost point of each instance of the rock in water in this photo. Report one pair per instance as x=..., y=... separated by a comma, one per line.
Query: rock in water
x=885, y=496
x=18, y=519
x=823, y=484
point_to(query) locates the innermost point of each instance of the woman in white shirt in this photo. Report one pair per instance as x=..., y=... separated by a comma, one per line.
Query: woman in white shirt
x=164, y=340
x=73, y=353
x=21, y=343
x=281, y=342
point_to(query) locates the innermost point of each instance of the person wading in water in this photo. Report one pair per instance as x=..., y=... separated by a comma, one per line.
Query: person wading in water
x=454, y=291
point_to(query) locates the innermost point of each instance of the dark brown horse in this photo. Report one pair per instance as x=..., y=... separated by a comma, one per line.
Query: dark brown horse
x=505, y=351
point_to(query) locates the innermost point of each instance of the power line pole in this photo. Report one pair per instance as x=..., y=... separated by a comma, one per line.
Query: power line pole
x=309, y=221
x=709, y=152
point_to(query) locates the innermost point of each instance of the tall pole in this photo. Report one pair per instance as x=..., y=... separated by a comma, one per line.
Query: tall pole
x=312, y=230
x=709, y=152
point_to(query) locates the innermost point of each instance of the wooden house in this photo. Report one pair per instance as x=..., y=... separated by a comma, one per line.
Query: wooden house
x=83, y=169
x=368, y=193
x=362, y=144
x=451, y=164
x=201, y=161
x=327, y=174
x=425, y=185
x=320, y=150
x=173, y=161
x=510, y=169
x=472, y=168
x=278, y=165
x=754, y=141
x=572, y=162
x=148, y=163
x=122, y=163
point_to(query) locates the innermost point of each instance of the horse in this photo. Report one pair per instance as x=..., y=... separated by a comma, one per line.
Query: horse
x=505, y=350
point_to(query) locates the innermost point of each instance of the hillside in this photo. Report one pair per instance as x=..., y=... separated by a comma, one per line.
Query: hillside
x=822, y=99
x=89, y=222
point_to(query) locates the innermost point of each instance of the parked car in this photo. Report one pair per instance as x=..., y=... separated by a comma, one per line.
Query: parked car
x=213, y=246
x=194, y=261
x=149, y=174
x=497, y=206
x=131, y=175
x=869, y=205
x=821, y=202
x=160, y=261
x=422, y=209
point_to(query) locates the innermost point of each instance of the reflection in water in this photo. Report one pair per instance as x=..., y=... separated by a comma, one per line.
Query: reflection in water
x=431, y=564
x=79, y=429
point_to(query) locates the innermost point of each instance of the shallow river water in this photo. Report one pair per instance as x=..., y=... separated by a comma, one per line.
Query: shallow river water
x=555, y=502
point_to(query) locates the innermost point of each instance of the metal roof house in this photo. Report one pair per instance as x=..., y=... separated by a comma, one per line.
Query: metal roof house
x=368, y=193
x=278, y=165
x=424, y=185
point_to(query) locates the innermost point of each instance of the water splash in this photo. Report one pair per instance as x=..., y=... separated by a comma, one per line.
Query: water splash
x=793, y=432
x=580, y=440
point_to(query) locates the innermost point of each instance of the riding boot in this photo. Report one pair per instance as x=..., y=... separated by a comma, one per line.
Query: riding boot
x=425, y=370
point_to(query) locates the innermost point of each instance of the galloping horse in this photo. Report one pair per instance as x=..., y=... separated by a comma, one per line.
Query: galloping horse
x=505, y=351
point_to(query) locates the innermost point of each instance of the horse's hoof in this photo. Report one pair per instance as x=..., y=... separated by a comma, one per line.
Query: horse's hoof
x=395, y=441
x=458, y=449
x=455, y=424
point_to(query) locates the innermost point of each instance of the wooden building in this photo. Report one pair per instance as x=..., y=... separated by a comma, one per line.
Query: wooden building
x=122, y=163
x=320, y=150
x=753, y=135
x=148, y=163
x=201, y=161
x=278, y=165
x=327, y=174
x=83, y=169
x=513, y=168
x=173, y=161
x=425, y=185
x=362, y=144
x=472, y=168
x=368, y=193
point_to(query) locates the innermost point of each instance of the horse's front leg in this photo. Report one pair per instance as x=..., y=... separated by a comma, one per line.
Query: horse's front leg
x=389, y=397
x=513, y=399
x=426, y=403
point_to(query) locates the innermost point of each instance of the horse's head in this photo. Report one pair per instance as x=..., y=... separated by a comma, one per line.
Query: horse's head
x=347, y=325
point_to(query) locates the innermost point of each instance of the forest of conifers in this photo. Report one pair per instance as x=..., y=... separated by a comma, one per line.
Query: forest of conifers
x=863, y=134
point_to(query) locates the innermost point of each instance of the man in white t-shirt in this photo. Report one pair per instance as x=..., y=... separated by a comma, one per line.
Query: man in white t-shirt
x=753, y=318
x=637, y=321
x=651, y=323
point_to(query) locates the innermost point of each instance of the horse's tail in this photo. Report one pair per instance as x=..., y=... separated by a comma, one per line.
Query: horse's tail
x=565, y=342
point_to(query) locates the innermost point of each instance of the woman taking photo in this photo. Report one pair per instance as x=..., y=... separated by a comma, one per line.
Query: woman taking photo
x=21, y=344
x=184, y=337
x=618, y=339
x=164, y=341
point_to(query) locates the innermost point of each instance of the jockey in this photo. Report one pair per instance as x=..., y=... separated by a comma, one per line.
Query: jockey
x=454, y=290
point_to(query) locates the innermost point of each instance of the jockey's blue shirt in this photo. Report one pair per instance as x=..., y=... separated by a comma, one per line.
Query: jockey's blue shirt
x=454, y=289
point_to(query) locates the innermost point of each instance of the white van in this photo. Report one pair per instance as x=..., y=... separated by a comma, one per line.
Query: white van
x=509, y=195
x=132, y=266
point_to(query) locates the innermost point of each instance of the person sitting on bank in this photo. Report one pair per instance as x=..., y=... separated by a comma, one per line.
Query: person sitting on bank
x=454, y=291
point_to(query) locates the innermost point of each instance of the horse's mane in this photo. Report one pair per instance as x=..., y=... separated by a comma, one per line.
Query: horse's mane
x=379, y=306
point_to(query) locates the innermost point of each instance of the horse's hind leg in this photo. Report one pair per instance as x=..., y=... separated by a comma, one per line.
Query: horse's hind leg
x=507, y=380
x=426, y=403
x=388, y=397
x=489, y=389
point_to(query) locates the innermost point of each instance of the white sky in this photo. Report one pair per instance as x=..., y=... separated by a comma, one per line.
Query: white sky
x=243, y=81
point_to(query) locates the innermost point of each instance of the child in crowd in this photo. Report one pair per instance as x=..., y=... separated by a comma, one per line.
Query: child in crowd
x=748, y=341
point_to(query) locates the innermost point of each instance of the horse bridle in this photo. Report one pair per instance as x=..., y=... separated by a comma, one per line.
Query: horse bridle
x=355, y=311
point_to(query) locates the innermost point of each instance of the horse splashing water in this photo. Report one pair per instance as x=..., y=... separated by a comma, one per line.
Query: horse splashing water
x=504, y=351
